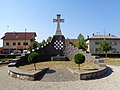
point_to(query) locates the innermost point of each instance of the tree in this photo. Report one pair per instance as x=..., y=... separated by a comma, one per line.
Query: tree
x=43, y=42
x=104, y=46
x=79, y=59
x=81, y=43
x=30, y=48
x=32, y=58
x=49, y=39
x=40, y=45
x=68, y=39
x=34, y=45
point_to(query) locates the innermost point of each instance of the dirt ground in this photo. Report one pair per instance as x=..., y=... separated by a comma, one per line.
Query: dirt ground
x=60, y=65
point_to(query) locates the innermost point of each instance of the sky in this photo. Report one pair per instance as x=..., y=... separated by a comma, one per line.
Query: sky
x=81, y=16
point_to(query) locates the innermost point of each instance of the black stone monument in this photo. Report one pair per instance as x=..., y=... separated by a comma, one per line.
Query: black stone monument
x=54, y=50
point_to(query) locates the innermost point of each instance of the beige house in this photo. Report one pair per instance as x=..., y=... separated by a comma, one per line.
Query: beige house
x=94, y=41
x=17, y=41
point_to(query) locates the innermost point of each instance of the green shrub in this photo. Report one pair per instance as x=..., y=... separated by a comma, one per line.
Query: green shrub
x=79, y=59
x=2, y=56
x=110, y=55
x=32, y=58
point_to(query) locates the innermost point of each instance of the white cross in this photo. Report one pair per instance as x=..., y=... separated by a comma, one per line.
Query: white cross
x=58, y=20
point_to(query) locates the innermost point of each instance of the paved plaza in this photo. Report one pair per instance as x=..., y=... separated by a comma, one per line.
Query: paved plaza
x=110, y=82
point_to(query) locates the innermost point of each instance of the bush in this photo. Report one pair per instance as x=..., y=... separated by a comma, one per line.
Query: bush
x=32, y=58
x=110, y=55
x=2, y=56
x=79, y=59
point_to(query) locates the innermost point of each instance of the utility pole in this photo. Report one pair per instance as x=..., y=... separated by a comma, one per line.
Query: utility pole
x=25, y=38
x=104, y=34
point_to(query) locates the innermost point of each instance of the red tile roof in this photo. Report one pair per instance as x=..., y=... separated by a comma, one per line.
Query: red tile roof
x=73, y=41
x=19, y=35
x=1, y=49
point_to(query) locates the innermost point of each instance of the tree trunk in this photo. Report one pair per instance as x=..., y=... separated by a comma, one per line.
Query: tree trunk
x=78, y=66
x=106, y=55
x=35, y=66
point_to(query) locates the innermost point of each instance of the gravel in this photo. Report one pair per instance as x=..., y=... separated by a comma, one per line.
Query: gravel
x=110, y=82
x=58, y=75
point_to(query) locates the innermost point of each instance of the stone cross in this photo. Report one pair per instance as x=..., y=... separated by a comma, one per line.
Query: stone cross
x=58, y=20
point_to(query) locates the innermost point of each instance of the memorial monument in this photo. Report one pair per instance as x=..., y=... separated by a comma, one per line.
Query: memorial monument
x=59, y=48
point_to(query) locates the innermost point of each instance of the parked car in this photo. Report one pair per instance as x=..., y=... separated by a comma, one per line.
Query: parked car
x=16, y=52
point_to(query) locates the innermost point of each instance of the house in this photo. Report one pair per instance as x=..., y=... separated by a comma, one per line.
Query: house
x=1, y=50
x=94, y=41
x=73, y=41
x=17, y=41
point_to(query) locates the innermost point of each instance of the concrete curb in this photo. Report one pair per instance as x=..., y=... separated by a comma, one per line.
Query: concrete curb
x=24, y=74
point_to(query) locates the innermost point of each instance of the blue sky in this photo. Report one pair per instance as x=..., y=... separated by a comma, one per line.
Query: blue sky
x=81, y=16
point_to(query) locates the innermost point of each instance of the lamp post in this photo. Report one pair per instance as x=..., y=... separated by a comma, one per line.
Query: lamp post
x=25, y=38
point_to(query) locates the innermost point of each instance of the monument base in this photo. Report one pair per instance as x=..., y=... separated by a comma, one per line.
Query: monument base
x=58, y=58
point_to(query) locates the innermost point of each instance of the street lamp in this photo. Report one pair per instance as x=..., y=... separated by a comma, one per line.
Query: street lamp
x=25, y=38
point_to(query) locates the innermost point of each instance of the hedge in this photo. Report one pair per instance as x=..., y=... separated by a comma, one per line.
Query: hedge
x=110, y=55
x=2, y=56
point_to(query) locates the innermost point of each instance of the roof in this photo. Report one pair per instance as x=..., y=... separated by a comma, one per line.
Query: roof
x=19, y=35
x=73, y=41
x=1, y=49
x=107, y=37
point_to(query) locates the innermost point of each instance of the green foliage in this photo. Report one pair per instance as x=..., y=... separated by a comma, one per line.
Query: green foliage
x=32, y=57
x=79, y=59
x=30, y=48
x=81, y=43
x=49, y=39
x=40, y=45
x=43, y=42
x=110, y=55
x=104, y=46
x=2, y=56
x=68, y=39
x=33, y=46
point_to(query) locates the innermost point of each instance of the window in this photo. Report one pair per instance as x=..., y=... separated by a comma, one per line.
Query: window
x=31, y=40
x=7, y=43
x=97, y=50
x=114, y=43
x=114, y=50
x=97, y=43
x=18, y=43
x=25, y=43
x=14, y=43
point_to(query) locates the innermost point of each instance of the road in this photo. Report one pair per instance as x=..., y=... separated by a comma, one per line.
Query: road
x=110, y=82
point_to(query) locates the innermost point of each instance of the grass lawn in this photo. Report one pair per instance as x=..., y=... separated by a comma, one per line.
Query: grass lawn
x=60, y=65
x=112, y=61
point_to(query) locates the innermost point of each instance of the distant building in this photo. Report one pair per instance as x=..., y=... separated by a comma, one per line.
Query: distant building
x=17, y=41
x=73, y=41
x=1, y=50
x=94, y=41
